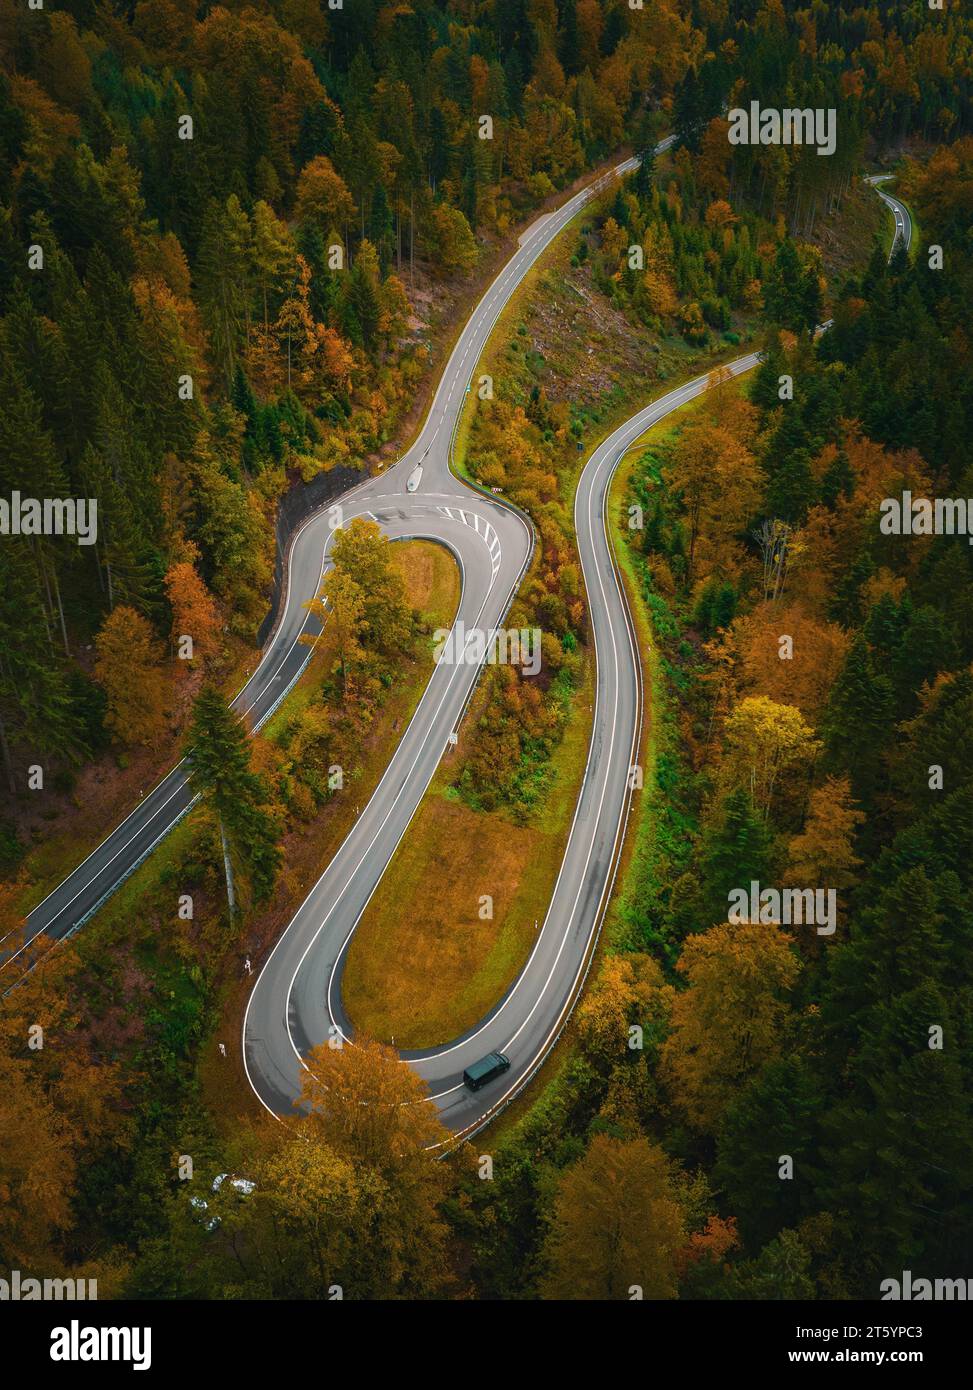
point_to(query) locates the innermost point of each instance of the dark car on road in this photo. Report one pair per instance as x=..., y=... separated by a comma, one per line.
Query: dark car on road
x=494, y=1064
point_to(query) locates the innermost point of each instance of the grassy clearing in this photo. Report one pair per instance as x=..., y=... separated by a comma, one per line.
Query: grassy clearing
x=431, y=579
x=424, y=975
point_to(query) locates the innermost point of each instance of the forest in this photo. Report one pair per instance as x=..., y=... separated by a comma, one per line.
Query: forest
x=235, y=244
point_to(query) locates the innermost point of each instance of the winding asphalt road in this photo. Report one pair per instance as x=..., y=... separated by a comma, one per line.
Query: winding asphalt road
x=491, y=541
x=899, y=211
x=296, y=1000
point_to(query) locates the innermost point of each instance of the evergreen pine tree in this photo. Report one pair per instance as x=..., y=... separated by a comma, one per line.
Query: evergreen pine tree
x=858, y=720
x=735, y=850
x=218, y=753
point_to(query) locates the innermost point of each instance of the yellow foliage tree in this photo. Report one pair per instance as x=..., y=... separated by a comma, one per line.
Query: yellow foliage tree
x=37, y=1166
x=617, y=1223
x=627, y=990
x=719, y=480
x=340, y=608
x=730, y=1020
x=823, y=852
x=323, y=1204
x=375, y=1113
x=797, y=672
x=129, y=670
x=322, y=195
x=765, y=740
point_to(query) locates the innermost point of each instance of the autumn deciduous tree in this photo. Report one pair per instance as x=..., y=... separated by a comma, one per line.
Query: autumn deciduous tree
x=711, y=166
x=616, y=1223
x=613, y=242
x=82, y=1086
x=194, y=612
x=658, y=294
x=129, y=670
x=707, y=1247
x=824, y=853
x=394, y=309
x=332, y=1207
x=37, y=1167
x=340, y=608
x=730, y=1020
x=313, y=353
x=629, y=991
x=455, y=246
x=361, y=553
x=323, y=196
x=789, y=656
x=719, y=481
x=764, y=742
x=371, y=1106
x=56, y=1101
x=323, y=1205
x=375, y=1114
